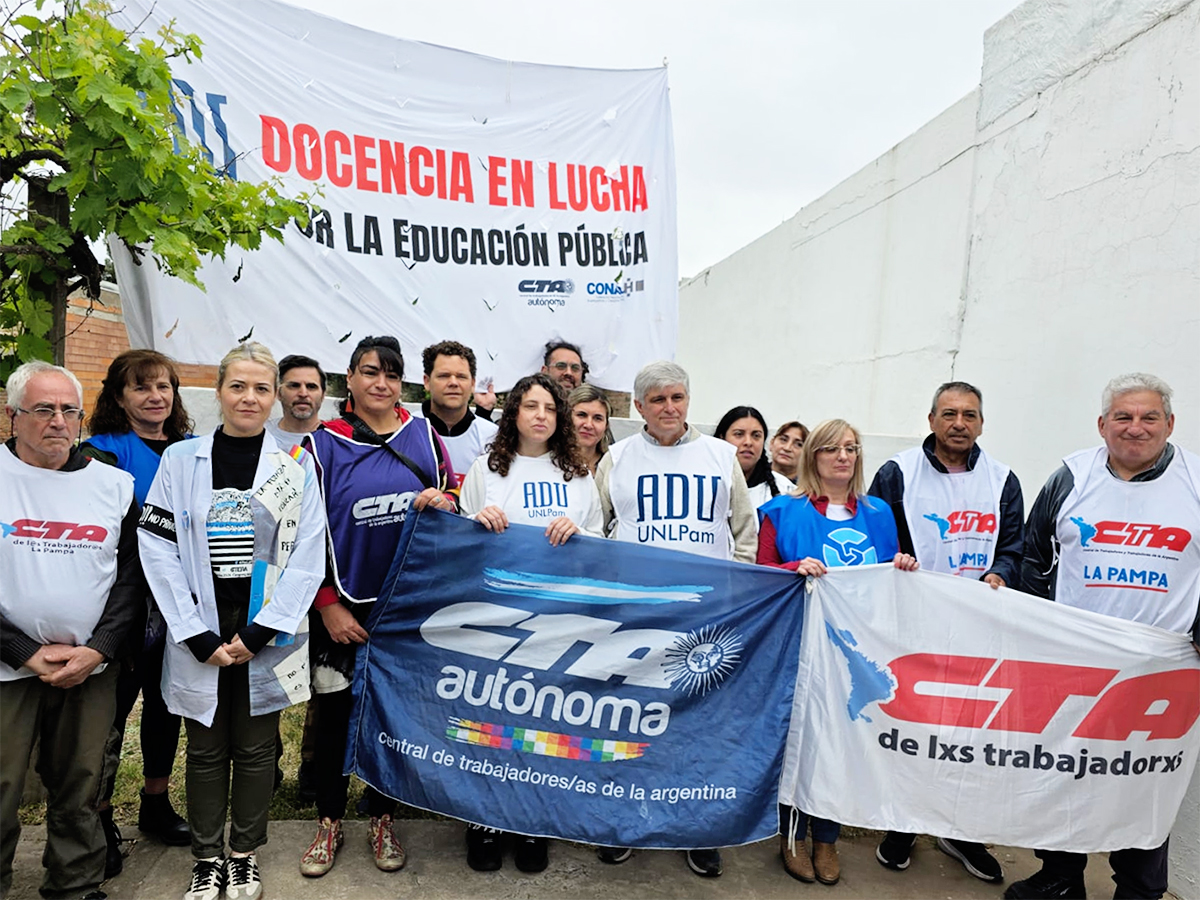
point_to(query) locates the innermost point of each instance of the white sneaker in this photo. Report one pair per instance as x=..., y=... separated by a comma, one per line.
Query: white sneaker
x=208, y=878
x=242, y=881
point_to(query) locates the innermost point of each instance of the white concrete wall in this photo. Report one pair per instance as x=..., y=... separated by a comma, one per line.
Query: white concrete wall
x=1036, y=238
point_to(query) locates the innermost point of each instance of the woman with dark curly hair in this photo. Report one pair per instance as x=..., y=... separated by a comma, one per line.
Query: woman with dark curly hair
x=533, y=476
x=138, y=415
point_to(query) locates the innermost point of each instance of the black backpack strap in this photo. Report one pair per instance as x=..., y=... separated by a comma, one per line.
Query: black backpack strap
x=364, y=433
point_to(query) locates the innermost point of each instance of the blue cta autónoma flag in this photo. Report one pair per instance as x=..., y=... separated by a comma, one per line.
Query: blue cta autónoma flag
x=598, y=691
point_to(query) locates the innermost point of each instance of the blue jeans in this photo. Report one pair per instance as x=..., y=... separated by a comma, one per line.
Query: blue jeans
x=823, y=830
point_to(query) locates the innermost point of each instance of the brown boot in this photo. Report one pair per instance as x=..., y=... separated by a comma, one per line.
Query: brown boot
x=798, y=864
x=825, y=862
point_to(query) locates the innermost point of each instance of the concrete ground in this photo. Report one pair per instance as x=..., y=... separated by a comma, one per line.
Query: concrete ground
x=437, y=869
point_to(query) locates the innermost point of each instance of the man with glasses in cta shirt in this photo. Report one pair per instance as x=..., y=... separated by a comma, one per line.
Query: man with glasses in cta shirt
x=70, y=588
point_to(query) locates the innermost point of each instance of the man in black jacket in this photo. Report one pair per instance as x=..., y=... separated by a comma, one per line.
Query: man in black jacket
x=70, y=589
x=1129, y=505
x=960, y=512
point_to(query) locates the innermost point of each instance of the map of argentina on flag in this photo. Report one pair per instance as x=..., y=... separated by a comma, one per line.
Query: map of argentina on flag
x=600, y=691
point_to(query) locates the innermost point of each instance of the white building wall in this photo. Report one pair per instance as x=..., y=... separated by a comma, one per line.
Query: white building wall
x=1036, y=238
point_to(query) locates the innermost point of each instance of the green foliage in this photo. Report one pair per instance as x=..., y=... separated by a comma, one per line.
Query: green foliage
x=88, y=147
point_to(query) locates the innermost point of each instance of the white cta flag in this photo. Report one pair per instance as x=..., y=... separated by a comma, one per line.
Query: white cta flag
x=927, y=703
x=500, y=204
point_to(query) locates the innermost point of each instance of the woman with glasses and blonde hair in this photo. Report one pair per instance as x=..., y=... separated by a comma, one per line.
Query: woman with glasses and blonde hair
x=796, y=532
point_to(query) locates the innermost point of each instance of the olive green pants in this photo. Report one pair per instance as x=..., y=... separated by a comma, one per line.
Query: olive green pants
x=239, y=742
x=73, y=726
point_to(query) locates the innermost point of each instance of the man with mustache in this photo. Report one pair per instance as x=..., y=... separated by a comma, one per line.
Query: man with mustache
x=960, y=512
x=302, y=385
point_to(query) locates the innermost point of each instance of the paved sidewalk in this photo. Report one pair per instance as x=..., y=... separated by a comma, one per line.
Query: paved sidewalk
x=437, y=869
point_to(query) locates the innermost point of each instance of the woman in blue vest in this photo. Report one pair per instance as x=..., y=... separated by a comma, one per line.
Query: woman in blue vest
x=138, y=415
x=374, y=463
x=827, y=521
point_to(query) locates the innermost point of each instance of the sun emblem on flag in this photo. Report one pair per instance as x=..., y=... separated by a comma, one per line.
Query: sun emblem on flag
x=699, y=661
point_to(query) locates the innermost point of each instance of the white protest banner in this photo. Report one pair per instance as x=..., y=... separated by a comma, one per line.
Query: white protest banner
x=933, y=704
x=500, y=204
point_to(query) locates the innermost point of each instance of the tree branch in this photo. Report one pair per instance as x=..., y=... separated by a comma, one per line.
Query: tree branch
x=12, y=164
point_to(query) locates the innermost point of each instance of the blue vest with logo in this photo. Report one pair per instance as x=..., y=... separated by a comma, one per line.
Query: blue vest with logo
x=367, y=493
x=800, y=531
x=133, y=456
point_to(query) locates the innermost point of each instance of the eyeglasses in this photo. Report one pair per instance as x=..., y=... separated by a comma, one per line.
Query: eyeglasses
x=46, y=413
x=850, y=449
x=564, y=366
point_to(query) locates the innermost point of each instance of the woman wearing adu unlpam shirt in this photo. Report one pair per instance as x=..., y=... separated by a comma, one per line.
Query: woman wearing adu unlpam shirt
x=830, y=494
x=373, y=463
x=232, y=544
x=535, y=454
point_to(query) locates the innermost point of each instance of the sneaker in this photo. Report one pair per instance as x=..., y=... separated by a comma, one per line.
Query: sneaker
x=797, y=861
x=242, y=881
x=705, y=863
x=208, y=879
x=1043, y=885
x=114, y=861
x=321, y=853
x=531, y=854
x=157, y=818
x=614, y=856
x=895, y=850
x=389, y=855
x=975, y=859
x=826, y=865
x=483, y=849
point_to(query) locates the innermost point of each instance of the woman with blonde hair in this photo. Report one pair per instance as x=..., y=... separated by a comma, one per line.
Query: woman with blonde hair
x=590, y=412
x=827, y=521
x=232, y=540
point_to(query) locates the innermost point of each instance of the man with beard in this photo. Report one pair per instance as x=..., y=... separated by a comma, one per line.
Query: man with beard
x=301, y=392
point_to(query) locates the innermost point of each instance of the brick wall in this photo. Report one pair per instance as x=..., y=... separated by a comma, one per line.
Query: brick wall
x=94, y=337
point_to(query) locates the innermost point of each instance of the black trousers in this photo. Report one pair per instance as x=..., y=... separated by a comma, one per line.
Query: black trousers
x=159, y=730
x=333, y=712
x=1139, y=874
